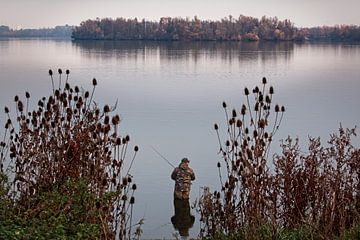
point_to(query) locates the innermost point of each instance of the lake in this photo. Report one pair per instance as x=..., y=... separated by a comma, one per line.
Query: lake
x=170, y=95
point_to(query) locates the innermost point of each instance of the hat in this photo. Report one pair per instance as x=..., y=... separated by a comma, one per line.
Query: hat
x=185, y=160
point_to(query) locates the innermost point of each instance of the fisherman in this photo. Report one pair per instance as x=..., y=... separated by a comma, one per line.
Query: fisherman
x=183, y=175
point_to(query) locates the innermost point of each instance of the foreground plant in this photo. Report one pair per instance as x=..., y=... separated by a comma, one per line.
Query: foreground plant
x=69, y=146
x=313, y=195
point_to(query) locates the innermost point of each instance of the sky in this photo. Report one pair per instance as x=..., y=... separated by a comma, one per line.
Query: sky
x=50, y=13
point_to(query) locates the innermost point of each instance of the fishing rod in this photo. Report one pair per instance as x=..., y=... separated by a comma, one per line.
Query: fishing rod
x=162, y=157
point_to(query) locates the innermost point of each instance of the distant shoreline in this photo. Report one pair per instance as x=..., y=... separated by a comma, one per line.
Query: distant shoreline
x=243, y=28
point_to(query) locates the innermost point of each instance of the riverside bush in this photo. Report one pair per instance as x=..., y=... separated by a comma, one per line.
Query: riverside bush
x=294, y=195
x=65, y=168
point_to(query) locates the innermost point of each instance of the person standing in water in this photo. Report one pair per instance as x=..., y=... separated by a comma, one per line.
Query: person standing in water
x=183, y=175
x=182, y=220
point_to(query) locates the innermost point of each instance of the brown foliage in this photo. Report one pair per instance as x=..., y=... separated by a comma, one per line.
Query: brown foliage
x=319, y=189
x=69, y=137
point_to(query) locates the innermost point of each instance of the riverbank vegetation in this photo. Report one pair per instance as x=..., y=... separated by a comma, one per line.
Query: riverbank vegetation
x=230, y=28
x=63, y=171
x=294, y=194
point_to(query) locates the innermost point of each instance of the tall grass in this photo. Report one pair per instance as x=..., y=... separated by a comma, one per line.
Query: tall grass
x=292, y=195
x=68, y=146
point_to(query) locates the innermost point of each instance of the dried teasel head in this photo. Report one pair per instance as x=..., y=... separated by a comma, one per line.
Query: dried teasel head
x=246, y=91
x=277, y=108
x=271, y=90
x=264, y=80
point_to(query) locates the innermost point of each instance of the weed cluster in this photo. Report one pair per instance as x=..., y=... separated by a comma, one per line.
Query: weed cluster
x=68, y=140
x=263, y=199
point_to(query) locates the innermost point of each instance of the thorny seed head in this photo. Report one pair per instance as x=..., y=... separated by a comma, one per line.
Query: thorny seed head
x=264, y=80
x=283, y=109
x=50, y=72
x=16, y=98
x=218, y=164
x=134, y=187
x=271, y=90
x=267, y=99
x=238, y=123
x=136, y=148
x=67, y=71
x=234, y=113
x=261, y=98
x=246, y=130
x=277, y=108
x=106, y=109
x=7, y=110
x=216, y=127
x=224, y=104
x=60, y=71
x=243, y=110
x=262, y=123
x=132, y=200
x=94, y=82
x=27, y=94
x=246, y=90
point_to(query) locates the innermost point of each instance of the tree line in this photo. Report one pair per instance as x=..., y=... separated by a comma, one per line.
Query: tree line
x=227, y=29
x=58, y=31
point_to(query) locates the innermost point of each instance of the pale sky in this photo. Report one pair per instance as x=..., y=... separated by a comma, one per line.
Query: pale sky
x=49, y=13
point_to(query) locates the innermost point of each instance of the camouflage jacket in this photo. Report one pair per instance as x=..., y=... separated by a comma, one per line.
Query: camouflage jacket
x=183, y=175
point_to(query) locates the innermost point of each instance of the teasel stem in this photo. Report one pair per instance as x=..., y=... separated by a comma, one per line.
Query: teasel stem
x=248, y=103
x=275, y=124
x=59, y=81
x=220, y=177
x=92, y=94
x=131, y=214
x=52, y=83
x=132, y=161
x=218, y=136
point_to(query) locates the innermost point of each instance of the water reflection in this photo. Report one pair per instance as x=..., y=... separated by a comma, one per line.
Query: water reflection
x=228, y=51
x=182, y=219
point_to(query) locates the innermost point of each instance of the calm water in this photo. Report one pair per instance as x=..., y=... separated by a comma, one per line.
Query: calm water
x=170, y=95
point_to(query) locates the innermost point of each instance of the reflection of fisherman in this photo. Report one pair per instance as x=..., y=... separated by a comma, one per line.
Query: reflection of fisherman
x=182, y=220
x=183, y=175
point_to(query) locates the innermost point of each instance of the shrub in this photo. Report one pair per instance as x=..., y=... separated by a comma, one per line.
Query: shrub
x=297, y=195
x=67, y=157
